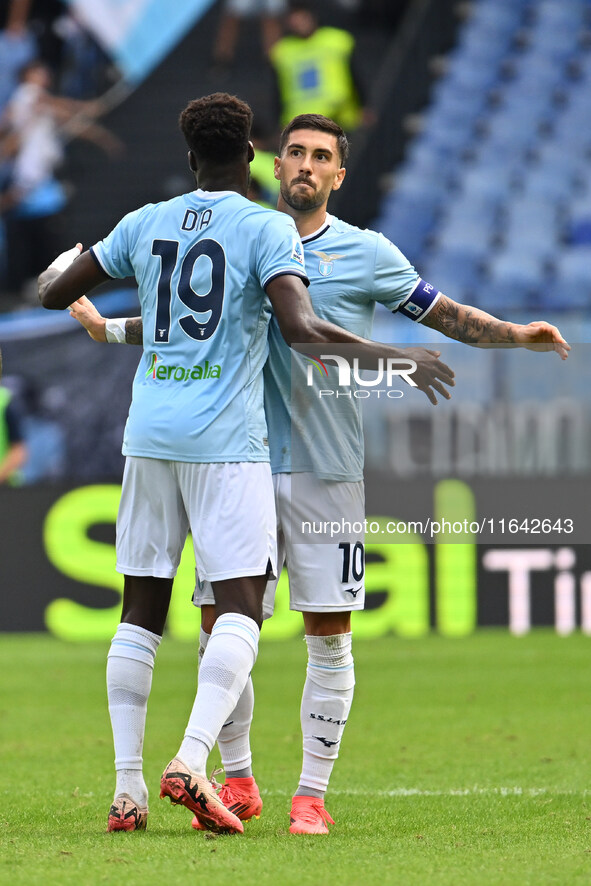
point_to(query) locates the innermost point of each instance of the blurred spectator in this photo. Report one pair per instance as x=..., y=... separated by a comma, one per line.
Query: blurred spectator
x=13, y=450
x=33, y=198
x=314, y=67
x=42, y=20
x=39, y=438
x=45, y=436
x=234, y=11
x=34, y=127
x=86, y=70
x=17, y=48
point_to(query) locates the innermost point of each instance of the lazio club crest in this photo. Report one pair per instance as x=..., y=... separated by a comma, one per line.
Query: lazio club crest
x=326, y=263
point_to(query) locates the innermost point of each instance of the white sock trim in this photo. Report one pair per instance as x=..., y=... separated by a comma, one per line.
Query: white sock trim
x=330, y=661
x=131, y=641
x=238, y=625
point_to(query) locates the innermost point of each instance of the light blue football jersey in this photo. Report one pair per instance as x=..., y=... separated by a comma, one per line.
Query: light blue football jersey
x=201, y=262
x=349, y=271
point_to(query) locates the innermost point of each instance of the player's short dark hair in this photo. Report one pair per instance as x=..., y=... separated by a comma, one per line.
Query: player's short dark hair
x=217, y=127
x=324, y=124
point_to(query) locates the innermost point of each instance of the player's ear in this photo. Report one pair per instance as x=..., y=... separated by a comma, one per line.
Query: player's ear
x=250, y=152
x=338, y=180
x=192, y=161
x=277, y=168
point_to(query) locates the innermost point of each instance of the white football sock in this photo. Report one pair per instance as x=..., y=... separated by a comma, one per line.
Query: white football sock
x=225, y=668
x=203, y=641
x=326, y=702
x=129, y=679
x=234, y=738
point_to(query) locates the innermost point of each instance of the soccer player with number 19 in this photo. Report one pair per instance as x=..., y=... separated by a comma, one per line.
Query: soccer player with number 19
x=195, y=441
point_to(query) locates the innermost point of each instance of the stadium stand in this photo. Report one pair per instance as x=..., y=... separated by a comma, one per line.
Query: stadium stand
x=500, y=163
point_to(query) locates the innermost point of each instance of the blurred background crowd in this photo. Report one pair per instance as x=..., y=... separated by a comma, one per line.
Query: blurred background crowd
x=51, y=73
x=58, y=83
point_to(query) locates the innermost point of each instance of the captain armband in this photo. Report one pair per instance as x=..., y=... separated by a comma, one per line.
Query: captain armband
x=420, y=301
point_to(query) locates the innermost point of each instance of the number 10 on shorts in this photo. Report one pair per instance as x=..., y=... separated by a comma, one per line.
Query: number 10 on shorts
x=353, y=561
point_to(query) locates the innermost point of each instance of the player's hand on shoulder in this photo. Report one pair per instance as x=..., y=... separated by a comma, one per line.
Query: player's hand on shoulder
x=87, y=315
x=431, y=374
x=65, y=259
x=57, y=267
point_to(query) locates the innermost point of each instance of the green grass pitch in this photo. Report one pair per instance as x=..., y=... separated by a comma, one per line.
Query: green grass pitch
x=464, y=762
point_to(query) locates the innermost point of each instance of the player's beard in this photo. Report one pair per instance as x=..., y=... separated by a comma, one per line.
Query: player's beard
x=302, y=201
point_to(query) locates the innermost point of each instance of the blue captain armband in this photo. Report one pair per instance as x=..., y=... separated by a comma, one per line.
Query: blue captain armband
x=420, y=301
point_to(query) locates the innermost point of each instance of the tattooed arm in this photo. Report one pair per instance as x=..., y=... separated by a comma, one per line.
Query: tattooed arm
x=127, y=330
x=134, y=331
x=473, y=326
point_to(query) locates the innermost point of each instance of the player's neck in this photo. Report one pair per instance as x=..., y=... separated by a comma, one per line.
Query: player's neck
x=306, y=222
x=220, y=178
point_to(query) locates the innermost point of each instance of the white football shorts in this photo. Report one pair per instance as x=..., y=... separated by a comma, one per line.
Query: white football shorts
x=228, y=507
x=326, y=569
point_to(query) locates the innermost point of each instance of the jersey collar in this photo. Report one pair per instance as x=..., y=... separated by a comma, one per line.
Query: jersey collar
x=325, y=226
x=212, y=195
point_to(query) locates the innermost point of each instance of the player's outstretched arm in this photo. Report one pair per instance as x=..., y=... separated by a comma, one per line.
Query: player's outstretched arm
x=124, y=330
x=299, y=324
x=68, y=278
x=473, y=326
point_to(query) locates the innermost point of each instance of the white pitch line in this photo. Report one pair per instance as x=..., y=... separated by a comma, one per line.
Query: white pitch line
x=475, y=791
